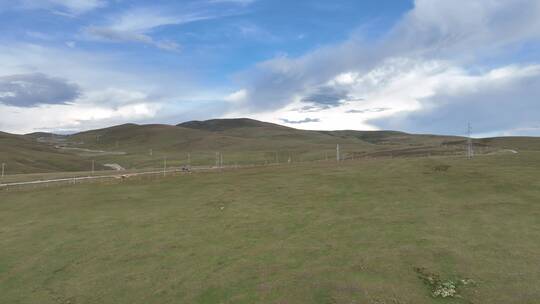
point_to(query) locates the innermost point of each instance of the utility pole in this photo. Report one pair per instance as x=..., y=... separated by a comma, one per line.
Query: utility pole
x=3, y=168
x=93, y=166
x=189, y=159
x=338, y=158
x=470, y=148
x=151, y=152
x=217, y=159
x=164, y=165
x=221, y=160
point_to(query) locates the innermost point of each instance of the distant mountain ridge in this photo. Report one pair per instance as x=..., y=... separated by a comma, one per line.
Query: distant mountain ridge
x=227, y=124
x=241, y=140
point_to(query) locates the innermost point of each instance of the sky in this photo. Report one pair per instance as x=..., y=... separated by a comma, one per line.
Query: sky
x=423, y=66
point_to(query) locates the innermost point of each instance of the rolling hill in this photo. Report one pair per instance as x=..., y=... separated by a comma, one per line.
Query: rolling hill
x=240, y=141
x=23, y=154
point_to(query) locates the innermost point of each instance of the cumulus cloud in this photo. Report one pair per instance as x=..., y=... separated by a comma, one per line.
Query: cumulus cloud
x=431, y=51
x=38, y=102
x=237, y=97
x=503, y=101
x=108, y=92
x=327, y=95
x=69, y=118
x=277, y=82
x=439, y=60
x=28, y=90
x=447, y=28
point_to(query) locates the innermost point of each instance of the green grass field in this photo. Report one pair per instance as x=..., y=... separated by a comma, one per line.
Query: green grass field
x=302, y=233
x=241, y=141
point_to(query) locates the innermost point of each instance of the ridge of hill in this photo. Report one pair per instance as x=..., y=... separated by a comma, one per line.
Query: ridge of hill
x=241, y=141
x=228, y=124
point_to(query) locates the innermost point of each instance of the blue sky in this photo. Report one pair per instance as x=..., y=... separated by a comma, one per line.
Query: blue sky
x=425, y=66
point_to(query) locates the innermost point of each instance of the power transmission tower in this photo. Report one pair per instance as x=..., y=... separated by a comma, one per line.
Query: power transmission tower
x=470, y=148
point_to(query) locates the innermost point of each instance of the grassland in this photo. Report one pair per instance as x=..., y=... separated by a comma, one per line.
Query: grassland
x=24, y=154
x=240, y=141
x=302, y=233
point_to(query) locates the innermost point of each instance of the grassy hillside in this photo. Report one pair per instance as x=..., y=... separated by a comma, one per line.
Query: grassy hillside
x=240, y=141
x=246, y=141
x=26, y=155
x=229, y=124
x=514, y=143
x=363, y=232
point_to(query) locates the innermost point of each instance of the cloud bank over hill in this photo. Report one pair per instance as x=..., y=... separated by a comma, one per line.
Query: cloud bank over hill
x=445, y=63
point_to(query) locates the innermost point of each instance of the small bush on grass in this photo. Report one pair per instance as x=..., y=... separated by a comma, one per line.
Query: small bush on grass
x=441, y=288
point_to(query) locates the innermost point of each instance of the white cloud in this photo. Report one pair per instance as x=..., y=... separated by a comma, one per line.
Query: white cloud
x=237, y=97
x=107, y=92
x=110, y=35
x=500, y=101
x=66, y=7
x=467, y=27
x=421, y=76
x=26, y=90
x=71, y=117
x=424, y=96
x=138, y=25
x=143, y=20
x=433, y=50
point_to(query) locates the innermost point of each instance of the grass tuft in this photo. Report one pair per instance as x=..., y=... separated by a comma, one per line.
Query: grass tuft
x=441, y=288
